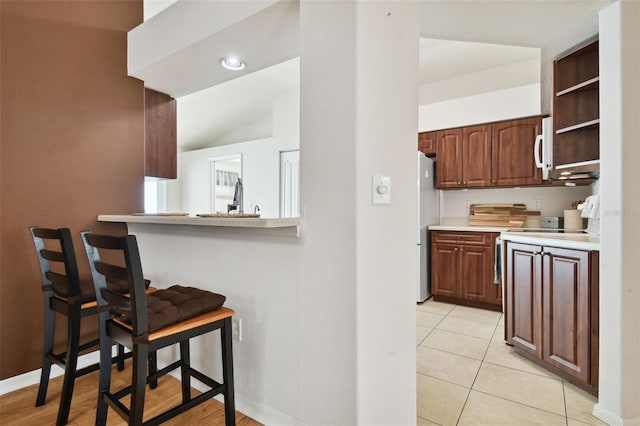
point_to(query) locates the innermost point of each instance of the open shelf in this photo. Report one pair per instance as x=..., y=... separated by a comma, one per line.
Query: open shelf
x=590, y=84
x=578, y=126
x=576, y=110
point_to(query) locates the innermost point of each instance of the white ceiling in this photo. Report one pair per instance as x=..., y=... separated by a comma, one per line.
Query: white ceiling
x=210, y=116
x=549, y=25
x=447, y=59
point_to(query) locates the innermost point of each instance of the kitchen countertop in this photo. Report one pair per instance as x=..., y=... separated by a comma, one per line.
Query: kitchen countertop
x=578, y=241
x=462, y=224
x=467, y=228
x=568, y=240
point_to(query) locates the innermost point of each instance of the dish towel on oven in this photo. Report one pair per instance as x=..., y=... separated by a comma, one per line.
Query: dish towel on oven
x=497, y=264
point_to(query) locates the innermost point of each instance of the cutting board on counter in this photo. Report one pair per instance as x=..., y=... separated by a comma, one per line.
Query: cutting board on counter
x=505, y=215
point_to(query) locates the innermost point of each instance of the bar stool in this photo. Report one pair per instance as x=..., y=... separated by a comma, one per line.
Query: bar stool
x=65, y=294
x=147, y=322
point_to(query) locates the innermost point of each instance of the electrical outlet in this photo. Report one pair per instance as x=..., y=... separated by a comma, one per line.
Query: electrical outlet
x=465, y=205
x=536, y=205
x=236, y=329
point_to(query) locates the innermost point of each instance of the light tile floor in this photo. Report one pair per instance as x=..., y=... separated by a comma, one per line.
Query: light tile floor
x=467, y=375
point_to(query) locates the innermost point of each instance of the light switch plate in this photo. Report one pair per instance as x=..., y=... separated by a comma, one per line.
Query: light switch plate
x=381, y=190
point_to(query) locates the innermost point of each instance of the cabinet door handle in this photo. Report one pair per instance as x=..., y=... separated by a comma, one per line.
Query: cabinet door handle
x=464, y=183
x=455, y=249
x=537, y=253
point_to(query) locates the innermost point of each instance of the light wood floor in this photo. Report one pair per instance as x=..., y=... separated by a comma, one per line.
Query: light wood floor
x=18, y=408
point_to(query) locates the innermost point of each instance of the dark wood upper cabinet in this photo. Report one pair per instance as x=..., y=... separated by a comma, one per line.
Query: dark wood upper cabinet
x=427, y=143
x=449, y=158
x=160, y=135
x=488, y=155
x=576, y=110
x=476, y=156
x=512, y=152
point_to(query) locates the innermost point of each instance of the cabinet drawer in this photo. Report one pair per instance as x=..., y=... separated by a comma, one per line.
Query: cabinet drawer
x=468, y=238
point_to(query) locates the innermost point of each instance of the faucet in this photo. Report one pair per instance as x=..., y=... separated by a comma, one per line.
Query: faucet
x=256, y=209
x=237, y=197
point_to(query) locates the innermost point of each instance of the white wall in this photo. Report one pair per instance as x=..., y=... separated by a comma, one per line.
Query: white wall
x=386, y=262
x=521, y=101
x=357, y=263
x=490, y=80
x=553, y=199
x=619, y=389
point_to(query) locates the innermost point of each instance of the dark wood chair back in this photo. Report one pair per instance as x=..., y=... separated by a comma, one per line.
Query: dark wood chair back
x=55, y=247
x=132, y=305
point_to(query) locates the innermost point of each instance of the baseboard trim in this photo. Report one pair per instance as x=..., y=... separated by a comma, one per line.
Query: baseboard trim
x=258, y=412
x=33, y=377
x=611, y=419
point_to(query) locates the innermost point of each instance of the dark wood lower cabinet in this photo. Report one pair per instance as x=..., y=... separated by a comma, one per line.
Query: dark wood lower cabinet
x=462, y=268
x=476, y=270
x=445, y=270
x=552, y=309
x=524, y=303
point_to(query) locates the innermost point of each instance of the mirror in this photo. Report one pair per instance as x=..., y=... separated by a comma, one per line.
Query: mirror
x=225, y=172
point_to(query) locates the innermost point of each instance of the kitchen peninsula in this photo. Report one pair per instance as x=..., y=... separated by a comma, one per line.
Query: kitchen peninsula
x=255, y=263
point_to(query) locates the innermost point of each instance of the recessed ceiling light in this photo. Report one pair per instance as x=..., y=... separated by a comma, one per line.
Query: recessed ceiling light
x=232, y=63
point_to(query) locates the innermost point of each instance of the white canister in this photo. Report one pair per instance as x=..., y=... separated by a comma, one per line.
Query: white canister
x=533, y=222
x=572, y=219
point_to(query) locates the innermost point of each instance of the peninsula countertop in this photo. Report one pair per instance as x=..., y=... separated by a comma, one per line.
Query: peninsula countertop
x=222, y=220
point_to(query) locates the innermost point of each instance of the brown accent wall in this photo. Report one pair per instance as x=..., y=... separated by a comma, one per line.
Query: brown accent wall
x=72, y=146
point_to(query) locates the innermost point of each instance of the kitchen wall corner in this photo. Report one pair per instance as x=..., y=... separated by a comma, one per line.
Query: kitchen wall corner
x=553, y=200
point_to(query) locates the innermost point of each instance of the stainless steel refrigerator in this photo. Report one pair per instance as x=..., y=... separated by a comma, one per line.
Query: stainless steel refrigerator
x=428, y=214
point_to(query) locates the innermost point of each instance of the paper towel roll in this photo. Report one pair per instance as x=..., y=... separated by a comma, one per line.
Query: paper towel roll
x=572, y=219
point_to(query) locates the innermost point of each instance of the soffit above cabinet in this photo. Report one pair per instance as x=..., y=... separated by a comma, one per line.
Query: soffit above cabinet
x=177, y=51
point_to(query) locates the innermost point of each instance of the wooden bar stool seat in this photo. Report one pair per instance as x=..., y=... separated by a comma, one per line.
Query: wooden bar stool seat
x=146, y=322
